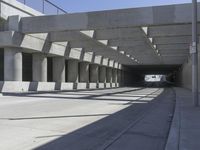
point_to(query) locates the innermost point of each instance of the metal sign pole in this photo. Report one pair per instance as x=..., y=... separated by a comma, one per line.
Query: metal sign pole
x=194, y=53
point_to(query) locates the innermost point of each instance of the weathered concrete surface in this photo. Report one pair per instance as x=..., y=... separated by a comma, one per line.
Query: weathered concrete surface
x=73, y=72
x=59, y=120
x=94, y=73
x=84, y=72
x=59, y=69
x=39, y=67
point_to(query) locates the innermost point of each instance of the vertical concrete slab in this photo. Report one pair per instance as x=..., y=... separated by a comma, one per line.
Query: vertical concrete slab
x=102, y=74
x=119, y=77
x=39, y=67
x=108, y=75
x=1, y=64
x=12, y=64
x=114, y=75
x=72, y=72
x=94, y=73
x=58, y=69
x=84, y=72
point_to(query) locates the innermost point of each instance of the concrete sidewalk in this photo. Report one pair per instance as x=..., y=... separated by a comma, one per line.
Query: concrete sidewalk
x=185, y=130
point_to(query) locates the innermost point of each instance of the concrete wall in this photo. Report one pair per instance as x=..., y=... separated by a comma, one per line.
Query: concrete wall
x=186, y=74
x=1, y=64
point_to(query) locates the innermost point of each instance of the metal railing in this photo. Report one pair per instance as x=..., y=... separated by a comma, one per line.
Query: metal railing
x=44, y=6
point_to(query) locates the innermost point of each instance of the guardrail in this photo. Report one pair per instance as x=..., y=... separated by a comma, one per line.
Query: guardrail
x=44, y=6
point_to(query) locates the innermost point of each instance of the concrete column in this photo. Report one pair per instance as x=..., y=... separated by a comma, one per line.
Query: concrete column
x=114, y=75
x=72, y=72
x=39, y=67
x=84, y=72
x=108, y=75
x=94, y=73
x=58, y=69
x=102, y=74
x=12, y=64
x=119, y=76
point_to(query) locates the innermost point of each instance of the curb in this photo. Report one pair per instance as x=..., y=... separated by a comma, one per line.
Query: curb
x=174, y=133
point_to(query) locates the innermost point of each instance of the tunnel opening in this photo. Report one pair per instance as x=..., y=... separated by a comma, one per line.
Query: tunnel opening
x=152, y=75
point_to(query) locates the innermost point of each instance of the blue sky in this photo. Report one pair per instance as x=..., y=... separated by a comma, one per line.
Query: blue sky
x=72, y=6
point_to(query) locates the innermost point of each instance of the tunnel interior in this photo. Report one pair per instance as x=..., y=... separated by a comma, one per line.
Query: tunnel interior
x=135, y=75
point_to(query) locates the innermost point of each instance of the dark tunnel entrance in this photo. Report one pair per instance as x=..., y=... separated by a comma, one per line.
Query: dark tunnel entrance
x=152, y=75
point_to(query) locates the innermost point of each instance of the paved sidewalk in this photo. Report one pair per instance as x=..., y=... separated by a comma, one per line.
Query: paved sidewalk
x=185, y=130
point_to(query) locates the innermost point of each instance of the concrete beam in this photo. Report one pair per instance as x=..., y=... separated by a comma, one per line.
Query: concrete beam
x=147, y=16
x=174, y=46
x=172, y=40
x=119, y=33
x=34, y=44
x=126, y=42
x=171, y=30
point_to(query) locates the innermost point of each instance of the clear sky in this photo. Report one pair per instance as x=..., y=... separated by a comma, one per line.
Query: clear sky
x=95, y=5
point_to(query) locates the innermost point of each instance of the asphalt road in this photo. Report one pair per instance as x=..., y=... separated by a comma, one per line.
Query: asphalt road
x=113, y=119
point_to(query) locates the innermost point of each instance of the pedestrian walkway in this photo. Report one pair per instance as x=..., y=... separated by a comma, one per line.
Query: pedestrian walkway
x=185, y=129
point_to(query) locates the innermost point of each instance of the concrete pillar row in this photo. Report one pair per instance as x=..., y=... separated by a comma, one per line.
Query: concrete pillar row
x=72, y=72
x=102, y=74
x=39, y=67
x=12, y=64
x=58, y=69
x=108, y=75
x=94, y=73
x=84, y=72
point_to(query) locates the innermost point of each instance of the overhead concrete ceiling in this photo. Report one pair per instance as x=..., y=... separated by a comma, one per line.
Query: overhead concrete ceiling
x=158, y=35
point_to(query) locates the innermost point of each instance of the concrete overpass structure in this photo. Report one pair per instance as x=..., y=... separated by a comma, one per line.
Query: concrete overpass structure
x=69, y=53
x=93, y=50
